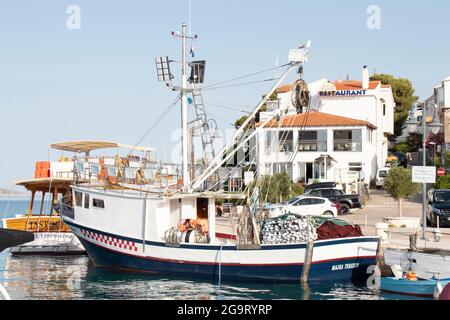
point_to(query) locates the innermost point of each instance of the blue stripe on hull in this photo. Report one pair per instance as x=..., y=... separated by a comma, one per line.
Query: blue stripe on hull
x=318, y=272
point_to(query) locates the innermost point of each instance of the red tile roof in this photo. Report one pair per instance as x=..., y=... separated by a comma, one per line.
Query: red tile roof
x=354, y=85
x=317, y=119
x=340, y=85
x=284, y=88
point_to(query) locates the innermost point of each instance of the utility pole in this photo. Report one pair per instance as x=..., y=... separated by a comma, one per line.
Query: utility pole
x=424, y=160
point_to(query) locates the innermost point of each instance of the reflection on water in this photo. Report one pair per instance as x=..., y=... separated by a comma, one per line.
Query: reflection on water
x=51, y=277
x=34, y=277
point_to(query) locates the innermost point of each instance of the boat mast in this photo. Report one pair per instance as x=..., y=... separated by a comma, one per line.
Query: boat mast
x=183, y=97
x=184, y=116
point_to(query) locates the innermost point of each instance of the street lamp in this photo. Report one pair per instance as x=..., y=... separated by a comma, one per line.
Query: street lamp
x=435, y=126
x=412, y=122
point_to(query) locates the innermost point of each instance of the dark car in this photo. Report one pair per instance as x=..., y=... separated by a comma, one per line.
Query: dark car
x=402, y=159
x=438, y=208
x=347, y=201
x=319, y=185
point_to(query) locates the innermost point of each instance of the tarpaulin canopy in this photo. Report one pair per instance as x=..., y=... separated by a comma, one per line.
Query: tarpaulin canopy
x=89, y=145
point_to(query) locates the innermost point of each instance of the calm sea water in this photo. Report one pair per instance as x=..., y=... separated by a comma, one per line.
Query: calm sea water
x=49, y=277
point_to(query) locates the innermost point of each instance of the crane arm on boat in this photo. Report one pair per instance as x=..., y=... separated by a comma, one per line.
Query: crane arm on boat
x=219, y=158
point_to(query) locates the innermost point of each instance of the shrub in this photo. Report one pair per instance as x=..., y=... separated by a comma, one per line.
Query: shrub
x=297, y=189
x=443, y=182
x=403, y=148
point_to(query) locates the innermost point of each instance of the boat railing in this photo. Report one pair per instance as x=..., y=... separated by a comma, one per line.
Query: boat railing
x=161, y=174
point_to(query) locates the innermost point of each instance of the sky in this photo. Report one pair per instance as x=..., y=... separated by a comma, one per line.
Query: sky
x=99, y=81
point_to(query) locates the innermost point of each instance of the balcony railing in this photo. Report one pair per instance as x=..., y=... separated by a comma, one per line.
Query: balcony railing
x=312, y=146
x=347, y=145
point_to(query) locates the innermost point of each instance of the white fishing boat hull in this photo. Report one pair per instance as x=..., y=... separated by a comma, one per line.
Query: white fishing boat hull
x=51, y=243
x=128, y=233
x=346, y=259
x=425, y=265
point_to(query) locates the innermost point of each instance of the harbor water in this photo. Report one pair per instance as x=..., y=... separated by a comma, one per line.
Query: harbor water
x=75, y=277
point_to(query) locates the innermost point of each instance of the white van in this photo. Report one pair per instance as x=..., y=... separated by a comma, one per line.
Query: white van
x=381, y=177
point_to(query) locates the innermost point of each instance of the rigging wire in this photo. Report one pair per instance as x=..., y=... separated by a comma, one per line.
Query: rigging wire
x=245, y=76
x=222, y=119
x=239, y=84
x=282, y=142
x=227, y=107
x=155, y=123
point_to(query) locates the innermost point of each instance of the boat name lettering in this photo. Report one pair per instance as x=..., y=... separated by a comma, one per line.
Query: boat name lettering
x=338, y=267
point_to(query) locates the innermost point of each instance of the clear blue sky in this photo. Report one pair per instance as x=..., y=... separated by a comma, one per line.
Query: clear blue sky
x=99, y=82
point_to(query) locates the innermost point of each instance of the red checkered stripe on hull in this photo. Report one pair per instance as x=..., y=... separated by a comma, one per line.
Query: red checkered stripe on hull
x=118, y=243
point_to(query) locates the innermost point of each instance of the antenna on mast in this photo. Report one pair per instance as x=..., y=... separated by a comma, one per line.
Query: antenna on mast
x=164, y=74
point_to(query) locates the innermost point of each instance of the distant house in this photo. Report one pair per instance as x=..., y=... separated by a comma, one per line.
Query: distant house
x=317, y=146
x=349, y=124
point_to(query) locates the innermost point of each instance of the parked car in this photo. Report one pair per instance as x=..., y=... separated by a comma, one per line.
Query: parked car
x=381, y=177
x=438, y=207
x=319, y=185
x=402, y=159
x=305, y=205
x=347, y=201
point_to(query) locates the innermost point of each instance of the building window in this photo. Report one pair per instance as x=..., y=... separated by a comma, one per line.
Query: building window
x=283, y=168
x=86, y=201
x=98, y=203
x=285, y=139
x=347, y=140
x=269, y=142
x=313, y=141
x=78, y=199
x=384, y=109
x=369, y=134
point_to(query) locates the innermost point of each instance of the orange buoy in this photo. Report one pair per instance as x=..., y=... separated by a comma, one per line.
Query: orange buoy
x=410, y=275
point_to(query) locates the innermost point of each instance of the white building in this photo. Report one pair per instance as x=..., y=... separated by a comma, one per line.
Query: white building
x=349, y=124
x=441, y=97
x=302, y=142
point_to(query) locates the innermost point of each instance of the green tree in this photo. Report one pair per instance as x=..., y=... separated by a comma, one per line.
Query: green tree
x=276, y=188
x=399, y=185
x=403, y=92
x=238, y=123
x=414, y=141
x=403, y=148
x=442, y=182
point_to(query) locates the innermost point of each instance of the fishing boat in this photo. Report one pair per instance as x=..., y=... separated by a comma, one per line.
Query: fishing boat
x=54, y=178
x=171, y=229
